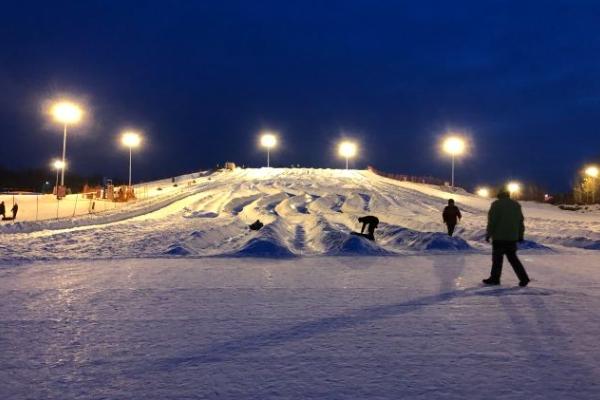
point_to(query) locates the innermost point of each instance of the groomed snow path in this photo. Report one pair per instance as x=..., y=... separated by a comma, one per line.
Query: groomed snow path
x=409, y=327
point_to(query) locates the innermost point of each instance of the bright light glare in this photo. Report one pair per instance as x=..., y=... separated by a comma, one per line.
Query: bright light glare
x=513, y=187
x=58, y=164
x=347, y=149
x=268, y=140
x=131, y=139
x=66, y=112
x=483, y=192
x=454, y=145
x=592, y=171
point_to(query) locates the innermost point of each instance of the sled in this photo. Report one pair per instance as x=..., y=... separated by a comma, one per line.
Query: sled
x=363, y=235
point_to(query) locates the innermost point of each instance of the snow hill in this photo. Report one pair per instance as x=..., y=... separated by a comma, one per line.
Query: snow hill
x=306, y=212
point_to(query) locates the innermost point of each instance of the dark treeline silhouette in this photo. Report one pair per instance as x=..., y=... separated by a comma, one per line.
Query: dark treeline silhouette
x=34, y=180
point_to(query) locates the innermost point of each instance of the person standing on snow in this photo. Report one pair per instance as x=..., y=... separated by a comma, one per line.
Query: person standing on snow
x=14, y=210
x=451, y=216
x=505, y=227
x=2, y=210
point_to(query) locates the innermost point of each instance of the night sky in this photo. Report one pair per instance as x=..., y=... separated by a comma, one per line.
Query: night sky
x=201, y=79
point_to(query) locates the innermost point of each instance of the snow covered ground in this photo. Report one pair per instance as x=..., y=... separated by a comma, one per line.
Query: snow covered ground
x=175, y=298
x=406, y=327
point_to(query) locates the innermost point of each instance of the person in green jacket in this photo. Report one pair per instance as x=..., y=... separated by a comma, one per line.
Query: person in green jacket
x=505, y=227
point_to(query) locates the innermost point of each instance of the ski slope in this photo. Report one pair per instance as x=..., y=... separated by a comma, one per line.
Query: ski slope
x=307, y=212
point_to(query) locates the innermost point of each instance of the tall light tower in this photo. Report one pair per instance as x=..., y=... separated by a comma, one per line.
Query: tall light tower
x=592, y=171
x=454, y=146
x=58, y=165
x=347, y=150
x=268, y=140
x=130, y=139
x=66, y=113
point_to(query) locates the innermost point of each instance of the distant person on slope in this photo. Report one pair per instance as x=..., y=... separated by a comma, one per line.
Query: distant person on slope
x=2, y=210
x=371, y=222
x=505, y=227
x=14, y=210
x=451, y=216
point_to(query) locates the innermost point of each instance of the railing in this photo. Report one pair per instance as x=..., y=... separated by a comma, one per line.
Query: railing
x=45, y=211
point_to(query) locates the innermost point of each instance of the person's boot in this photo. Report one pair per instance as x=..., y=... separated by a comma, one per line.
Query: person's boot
x=524, y=282
x=491, y=282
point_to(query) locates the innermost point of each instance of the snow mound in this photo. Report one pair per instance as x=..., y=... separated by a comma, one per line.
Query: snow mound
x=407, y=239
x=342, y=243
x=177, y=250
x=265, y=243
x=201, y=214
x=531, y=245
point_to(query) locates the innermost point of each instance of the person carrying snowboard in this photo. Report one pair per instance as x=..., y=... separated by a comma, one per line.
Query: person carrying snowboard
x=505, y=227
x=451, y=216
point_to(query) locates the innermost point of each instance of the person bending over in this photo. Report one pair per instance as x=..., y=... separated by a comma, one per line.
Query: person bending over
x=370, y=222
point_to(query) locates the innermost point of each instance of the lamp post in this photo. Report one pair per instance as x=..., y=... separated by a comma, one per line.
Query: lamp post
x=592, y=171
x=268, y=140
x=59, y=165
x=347, y=150
x=454, y=146
x=66, y=113
x=130, y=139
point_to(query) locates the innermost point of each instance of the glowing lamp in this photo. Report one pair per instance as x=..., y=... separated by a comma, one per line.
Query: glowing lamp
x=268, y=140
x=58, y=164
x=66, y=112
x=592, y=171
x=483, y=192
x=454, y=145
x=131, y=139
x=513, y=187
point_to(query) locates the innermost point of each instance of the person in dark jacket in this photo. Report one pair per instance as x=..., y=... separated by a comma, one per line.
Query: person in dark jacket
x=14, y=210
x=505, y=227
x=372, y=222
x=2, y=210
x=451, y=216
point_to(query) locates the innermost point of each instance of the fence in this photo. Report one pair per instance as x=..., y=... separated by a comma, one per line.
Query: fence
x=43, y=207
x=410, y=178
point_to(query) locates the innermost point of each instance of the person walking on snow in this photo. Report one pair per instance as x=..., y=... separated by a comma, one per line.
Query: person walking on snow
x=451, y=216
x=505, y=227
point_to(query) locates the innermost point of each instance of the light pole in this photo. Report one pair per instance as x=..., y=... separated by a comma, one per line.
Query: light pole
x=592, y=171
x=130, y=139
x=347, y=150
x=66, y=113
x=455, y=146
x=58, y=165
x=268, y=140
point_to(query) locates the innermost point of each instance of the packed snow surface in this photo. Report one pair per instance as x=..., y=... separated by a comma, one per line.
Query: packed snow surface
x=405, y=327
x=306, y=212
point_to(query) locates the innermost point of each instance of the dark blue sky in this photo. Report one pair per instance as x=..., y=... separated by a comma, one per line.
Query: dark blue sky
x=202, y=78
